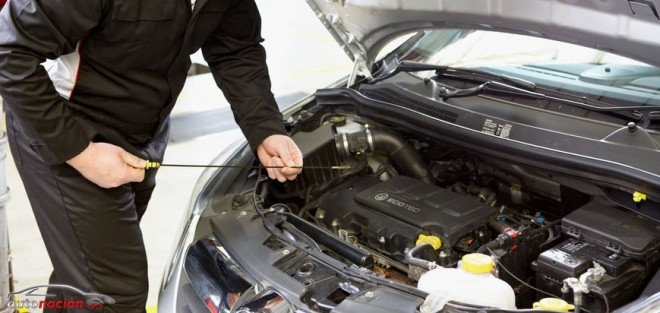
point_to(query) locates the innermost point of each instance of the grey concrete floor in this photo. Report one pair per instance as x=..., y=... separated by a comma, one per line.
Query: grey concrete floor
x=302, y=57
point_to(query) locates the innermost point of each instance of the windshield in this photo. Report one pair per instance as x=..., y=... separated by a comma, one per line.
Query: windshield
x=586, y=72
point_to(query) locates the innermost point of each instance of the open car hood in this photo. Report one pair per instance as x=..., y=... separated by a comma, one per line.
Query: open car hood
x=626, y=27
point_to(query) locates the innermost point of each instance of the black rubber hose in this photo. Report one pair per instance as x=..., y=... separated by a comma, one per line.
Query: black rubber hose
x=412, y=259
x=499, y=225
x=403, y=154
x=492, y=245
x=544, y=227
x=332, y=242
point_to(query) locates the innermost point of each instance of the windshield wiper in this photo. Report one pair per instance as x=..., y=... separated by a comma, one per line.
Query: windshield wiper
x=495, y=87
x=496, y=83
x=388, y=70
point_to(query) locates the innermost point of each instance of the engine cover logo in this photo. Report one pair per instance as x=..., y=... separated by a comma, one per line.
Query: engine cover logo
x=381, y=196
x=390, y=200
x=404, y=205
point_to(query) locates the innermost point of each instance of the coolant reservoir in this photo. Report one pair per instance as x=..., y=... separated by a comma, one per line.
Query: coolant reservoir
x=472, y=283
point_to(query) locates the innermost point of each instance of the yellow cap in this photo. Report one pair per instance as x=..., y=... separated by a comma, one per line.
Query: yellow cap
x=638, y=197
x=553, y=304
x=434, y=241
x=477, y=263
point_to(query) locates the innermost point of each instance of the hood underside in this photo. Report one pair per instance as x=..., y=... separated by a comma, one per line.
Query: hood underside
x=628, y=28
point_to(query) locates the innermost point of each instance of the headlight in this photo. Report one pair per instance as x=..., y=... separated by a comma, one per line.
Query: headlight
x=223, y=285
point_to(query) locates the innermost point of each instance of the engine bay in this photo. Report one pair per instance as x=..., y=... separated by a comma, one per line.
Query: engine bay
x=415, y=203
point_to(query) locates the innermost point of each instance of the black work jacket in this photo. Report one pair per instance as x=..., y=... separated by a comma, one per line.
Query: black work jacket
x=120, y=65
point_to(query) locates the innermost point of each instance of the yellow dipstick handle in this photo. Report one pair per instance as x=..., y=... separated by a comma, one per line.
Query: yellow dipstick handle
x=152, y=164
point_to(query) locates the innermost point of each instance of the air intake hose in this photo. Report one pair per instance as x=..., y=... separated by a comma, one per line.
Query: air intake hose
x=402, y=153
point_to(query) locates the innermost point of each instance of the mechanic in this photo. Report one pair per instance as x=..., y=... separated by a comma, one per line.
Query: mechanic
x=81, y=131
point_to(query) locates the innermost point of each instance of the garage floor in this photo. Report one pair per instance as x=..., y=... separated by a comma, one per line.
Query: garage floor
x=302, y=57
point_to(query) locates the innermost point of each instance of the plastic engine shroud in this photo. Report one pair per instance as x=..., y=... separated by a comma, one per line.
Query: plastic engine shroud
x=389, y=216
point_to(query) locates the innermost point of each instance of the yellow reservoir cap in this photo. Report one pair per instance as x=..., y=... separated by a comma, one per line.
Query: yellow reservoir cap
x=477, y=263
x=553, y=304
x=639, y=197
x=434, y=241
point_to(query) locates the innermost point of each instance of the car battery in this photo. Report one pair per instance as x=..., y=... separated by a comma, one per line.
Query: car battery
x=623, y=282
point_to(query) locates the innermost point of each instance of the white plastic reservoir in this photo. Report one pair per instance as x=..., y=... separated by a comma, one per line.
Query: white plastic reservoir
x=472, y=283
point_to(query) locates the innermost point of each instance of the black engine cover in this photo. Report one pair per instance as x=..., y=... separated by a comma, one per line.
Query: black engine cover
x=389, y=216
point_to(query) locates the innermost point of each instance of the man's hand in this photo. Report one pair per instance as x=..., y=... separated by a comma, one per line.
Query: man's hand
x=280, y=150
x=108, y=165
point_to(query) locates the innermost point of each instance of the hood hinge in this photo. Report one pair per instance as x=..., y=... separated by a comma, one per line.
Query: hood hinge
x=359, y=68
x=348, y=41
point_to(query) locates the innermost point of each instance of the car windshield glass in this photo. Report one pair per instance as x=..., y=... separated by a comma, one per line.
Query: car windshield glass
x=560, y=66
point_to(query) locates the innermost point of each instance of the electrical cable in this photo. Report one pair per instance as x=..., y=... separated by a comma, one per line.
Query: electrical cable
x=497, y=260
x=607, y=303
x=256, y=196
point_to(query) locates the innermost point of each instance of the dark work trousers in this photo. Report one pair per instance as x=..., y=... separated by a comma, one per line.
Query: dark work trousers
x=92, y=234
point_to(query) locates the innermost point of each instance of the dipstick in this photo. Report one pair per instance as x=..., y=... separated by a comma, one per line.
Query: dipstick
x=154, y=164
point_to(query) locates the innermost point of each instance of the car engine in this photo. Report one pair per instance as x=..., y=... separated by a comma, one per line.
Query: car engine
x=404, y=191
x=392, y=216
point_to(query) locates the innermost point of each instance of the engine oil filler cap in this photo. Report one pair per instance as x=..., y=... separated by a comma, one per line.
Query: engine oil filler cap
x=434, y=241
x=553, y=304
x=477, y=263
x=338, y=120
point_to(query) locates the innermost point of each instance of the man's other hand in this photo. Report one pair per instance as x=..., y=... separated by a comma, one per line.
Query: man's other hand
x=280, y=150
x=108, y=165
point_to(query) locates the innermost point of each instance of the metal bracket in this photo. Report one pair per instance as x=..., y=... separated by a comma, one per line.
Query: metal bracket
x=359, y=67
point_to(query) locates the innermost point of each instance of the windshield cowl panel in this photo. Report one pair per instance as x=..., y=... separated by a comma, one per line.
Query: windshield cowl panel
x=592, y=79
